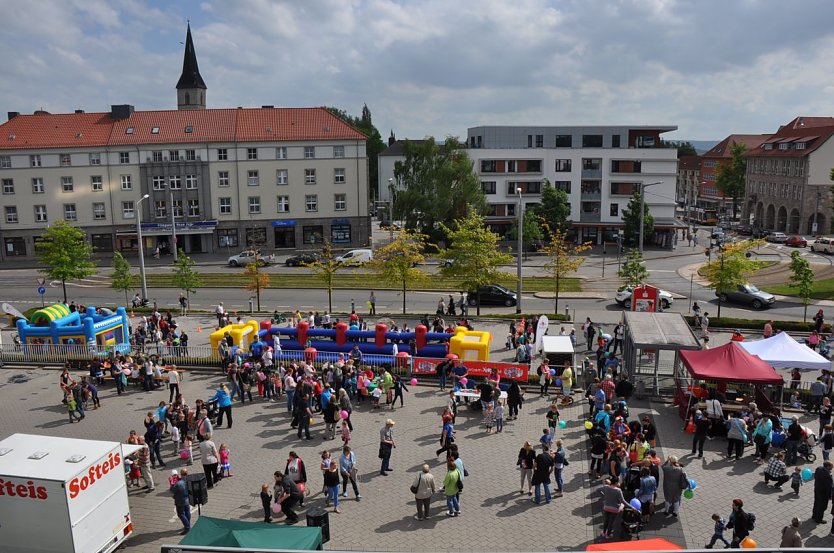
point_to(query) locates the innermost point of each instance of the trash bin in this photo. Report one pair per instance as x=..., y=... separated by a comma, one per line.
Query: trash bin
x=316, y=516
x=197, y=489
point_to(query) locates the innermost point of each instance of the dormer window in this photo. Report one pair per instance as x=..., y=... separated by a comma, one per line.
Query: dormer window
x=799, y=145
x=155, y=130
x=189, y=129
x=768, y=146
x=129, y=130
x=783, y=146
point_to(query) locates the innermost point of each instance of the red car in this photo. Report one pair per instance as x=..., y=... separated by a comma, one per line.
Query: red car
x=796, y=242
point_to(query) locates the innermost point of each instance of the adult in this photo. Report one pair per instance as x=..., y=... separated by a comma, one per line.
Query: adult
x=791, y=536
x=372, y=304
x=296, y=471
x=211, y=459
x=143, y=461
x=674, y=482
x=514, y=399
x=386, y=446
x=203, y=427
x=826, y=410
x=525, y=463
x=715, y=413
x=794, y=438
x=590, y=332
x=767, y=332
x=619, y=332
x=818, y=320
x=331, y=417
x=224, y=405
x=345, y=405
x=740, y=522
x=153, y=439
x=776, y=470
x=542, y=469
x=287, y=494
x=762, y=434
x=174, y=378
x=348, y=470
x=305, y=414
x=423, y=488
x=736, y=436
x=182, y=504
x=451, y=488
x=823, y=484
x=646, y=492
x=612, y=504
x=447, y=435
x=649, y=431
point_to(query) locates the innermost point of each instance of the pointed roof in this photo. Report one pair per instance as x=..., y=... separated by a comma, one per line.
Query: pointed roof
x=722, y=149
x=190, y=77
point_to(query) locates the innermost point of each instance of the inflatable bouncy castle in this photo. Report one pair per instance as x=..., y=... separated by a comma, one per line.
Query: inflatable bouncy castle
x=56, y=324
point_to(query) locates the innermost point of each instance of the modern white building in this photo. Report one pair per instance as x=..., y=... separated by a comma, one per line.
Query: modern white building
x=599, y=167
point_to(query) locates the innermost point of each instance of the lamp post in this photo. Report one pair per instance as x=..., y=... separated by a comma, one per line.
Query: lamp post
x=520, y=248
x=642, y=210
x=141, y=248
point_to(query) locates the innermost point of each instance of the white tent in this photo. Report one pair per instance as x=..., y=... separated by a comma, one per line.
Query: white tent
x=783, y=352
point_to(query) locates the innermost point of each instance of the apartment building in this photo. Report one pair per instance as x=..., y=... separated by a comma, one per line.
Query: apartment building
x=275, y=178
x=709, y=196
x=688, y=184
x=599, y=167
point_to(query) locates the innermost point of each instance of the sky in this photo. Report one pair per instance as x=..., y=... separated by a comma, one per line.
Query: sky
x=436, y=67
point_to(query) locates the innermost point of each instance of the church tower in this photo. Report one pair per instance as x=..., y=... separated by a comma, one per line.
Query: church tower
x=191, y=89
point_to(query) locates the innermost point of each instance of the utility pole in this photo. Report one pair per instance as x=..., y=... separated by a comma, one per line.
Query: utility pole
x=520, y=248
x=642, y=188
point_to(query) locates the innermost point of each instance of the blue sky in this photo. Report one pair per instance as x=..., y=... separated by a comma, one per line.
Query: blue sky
x=434, y=67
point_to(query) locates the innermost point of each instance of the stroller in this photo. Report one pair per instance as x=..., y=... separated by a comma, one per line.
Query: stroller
x=632, y=523
x=631, y=482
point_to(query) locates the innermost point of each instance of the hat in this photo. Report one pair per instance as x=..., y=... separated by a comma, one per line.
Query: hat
x=698, y=412
x=174, y=472
x=389, y=422
x=738, y=502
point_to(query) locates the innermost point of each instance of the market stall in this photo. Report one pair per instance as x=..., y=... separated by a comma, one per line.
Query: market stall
x=783, y=352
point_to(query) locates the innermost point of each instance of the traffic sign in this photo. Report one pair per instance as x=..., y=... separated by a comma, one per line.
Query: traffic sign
x=41, y=281
x=41, y=290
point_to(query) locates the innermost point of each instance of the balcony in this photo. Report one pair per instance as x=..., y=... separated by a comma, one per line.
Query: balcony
x=591, y=190
x=590, y=212
x=591, y=173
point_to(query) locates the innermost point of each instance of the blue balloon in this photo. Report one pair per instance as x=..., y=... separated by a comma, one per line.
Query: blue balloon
x=636, y=504
x=552, y=372
x=693, y=484
x=558, y=382
x=807, y=474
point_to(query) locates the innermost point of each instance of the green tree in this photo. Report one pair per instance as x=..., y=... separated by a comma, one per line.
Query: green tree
x=802, y=278
x=631, y=220
x=65, y=254
x=474, y=253
x=532, y=229
x=437, y=184
x=121, y=278
x=325, y=270
x=396, y=262
x=563, y=259
x=186, y=278
x=256, y=280
x=730, y=175
x=634, y=272
x=684, y=148
x=554, y=209
x=730, y=268
x=373, y=147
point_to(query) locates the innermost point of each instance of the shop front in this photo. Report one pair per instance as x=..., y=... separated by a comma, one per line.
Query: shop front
x=284, y=233
x=192, y=237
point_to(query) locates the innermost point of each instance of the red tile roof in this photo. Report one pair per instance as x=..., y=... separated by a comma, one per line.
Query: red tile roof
x=70, y=130
x=689, y=163
x=813, y=131
x=722, y=149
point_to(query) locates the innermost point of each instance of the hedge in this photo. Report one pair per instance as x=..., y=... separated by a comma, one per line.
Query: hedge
x=758, y=324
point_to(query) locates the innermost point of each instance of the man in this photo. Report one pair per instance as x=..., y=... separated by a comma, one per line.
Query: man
x=181, y=500
x=823, y=484
x=220, y=312
x=793, y=439
x=173, y=384
x=619, y=331
x=148, y=376
x=715, y=414
x=624, y=388
x=143, y=461
x=542, y=469
x=817, y=393
x=590, y=332
x=183, y=305
x=304, y=416
x=372, y=304
x=776, y=470
x=356, y=354
x=386, y=445
x=702, y=427
x=290, y=495
x=608, y=387
x=599, y=398
x=705, y=324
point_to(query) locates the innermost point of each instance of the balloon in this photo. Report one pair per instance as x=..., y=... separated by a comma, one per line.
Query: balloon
x=588, y=425
x=558, y=382
x=344, y=415
x=562, y=424
x=126, y=372
x=748, y=543
x=367, y=382
x=413, y=381
x=463, y=381
x=276, y=508
x=689, y=494
x=301, y=486
x=693, y=485
x=636, y=504
x=807, y=474
x=552, y=372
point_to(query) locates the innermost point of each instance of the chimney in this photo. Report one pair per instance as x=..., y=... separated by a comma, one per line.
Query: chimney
x=267, y=107
x=79, y=111
x=13, y=114
x=121, y=111
x=41, y=112
x=391, y=138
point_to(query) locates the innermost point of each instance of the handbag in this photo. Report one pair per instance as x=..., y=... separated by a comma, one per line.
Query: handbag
x=416, y=486
x=758, y=439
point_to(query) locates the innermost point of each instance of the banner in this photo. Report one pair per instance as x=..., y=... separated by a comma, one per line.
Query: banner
x=510, y=371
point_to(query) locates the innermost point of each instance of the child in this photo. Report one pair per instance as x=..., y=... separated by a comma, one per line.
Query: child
x=718, y=533
x=546, y=440
x=796, y=480
x=345, y=433
x=331, y=484
x=266, y=501
x=489, y=418
x=225, y=464
x=326, y=462
x=377, y=393
x=72, y=407
x=552, y=417
x=499, y=416
x=135, y=473
x=796, y=403
x=175, y=438
x=174, y=478
x=186, y=450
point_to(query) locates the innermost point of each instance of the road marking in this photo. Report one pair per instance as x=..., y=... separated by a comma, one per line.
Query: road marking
x=175, y=518
x=662, y=271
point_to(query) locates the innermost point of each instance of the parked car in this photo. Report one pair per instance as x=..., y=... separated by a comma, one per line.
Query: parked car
x=249, y=256
x=301, y=259
x=761, y=233
x=717, y=232
x=492, y=294
x=745, y=230
x=388, y=225
x=623, y=297
x=823, y=244
x=796, y=242
x=777, y=237
x=356, y=257
x=446, y=263
x=749, y=294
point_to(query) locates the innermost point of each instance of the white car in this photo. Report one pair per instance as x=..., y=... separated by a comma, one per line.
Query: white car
x=356, y=257
x=249, y=256
x=623, y=297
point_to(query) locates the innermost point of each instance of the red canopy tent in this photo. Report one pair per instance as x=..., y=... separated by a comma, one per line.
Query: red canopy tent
x=651, y=544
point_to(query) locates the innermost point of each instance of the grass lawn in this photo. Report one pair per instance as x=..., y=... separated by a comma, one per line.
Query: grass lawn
x=761, y=264
x=822, y=289
x=361, y=281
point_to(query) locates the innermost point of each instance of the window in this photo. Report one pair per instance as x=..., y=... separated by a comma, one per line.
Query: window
x=615, y=141
x=189, y=129
x=66, y=160
x=8, y=186
x=101, y=242
x=252, y=178
x=311, y=202
x=284, y=237
x=130, y=130
x=227, y=237
x=193, y=208
x=40, y=214
x=799, y=145
x=156, y=156
x=510, y=210
x=623, y=188
x=591, y=164
x=160, y=209
x=488, y=186
x=155, y=130
x=527, y=187
x=37, y=185
x=95, y=159
x=126, y=183
x=176, y=208
x=564, y=141
x=563, y=166
x=338, y=151
x=251, y=153
x=281, y=152
x=34, y=161
x=783, y=146
x=69, y=212
x=563, y=185
x=174, y=155
x=614, y=210
x=766, y=147
x=225, y=206
x=309, y=152
x=283, y=204
x=282, y=177
x=340, y=202
x=158, y=182
x=11, y=214
x=313, y=234
x=15, y=246
x=5, y=162
x=490, y=166
x=222, y=154
x=539, y=141
x=96, y=183
x=222, y=178
x=99, y=212
x=190, y=155
x=255, y=236
x=191, y=182
x=309, y=176
x=66, y=184
x=529, y=140
x=625, y=166
x=592, y=141
x=339, y=176
x=124, y=157
x=254, y=204
x=175, y=182
x=128, y=210
x=340, y=234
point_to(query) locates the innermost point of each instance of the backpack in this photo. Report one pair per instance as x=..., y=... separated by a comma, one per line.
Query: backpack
x=751, y=521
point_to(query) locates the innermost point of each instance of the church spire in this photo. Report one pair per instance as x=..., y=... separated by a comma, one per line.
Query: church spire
x=191, y=89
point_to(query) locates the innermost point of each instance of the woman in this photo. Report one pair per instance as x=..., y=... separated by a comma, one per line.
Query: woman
x=826, y=410
x=736, y=436
x=347, y=468
x=598, y=447
x=211, y=458
x=345, y=405
x=791, y=536
x=441, y=307
x=814, y=340
x=447, y=435
x=612, y=504
x=739, y=522
x=296, y=471
x=544, y=378
x=514, y=399
x=425, y=488
x=618, y=466
x=818, y=320
x=526, y=456
x=649, y=432
x=224, y=404
x=674, y=482
x=450, y=488
x=762, y=434
x=646, y=491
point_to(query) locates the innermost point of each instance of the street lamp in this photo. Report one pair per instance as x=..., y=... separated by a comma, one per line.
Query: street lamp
x=520, y=248
x=642, y=187
x=141, y=248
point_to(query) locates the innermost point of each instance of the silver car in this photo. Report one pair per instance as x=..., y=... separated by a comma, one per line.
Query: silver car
x=748, y=293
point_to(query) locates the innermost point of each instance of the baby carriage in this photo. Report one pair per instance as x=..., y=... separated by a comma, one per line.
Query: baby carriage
x=631, y=482
x=632, y=523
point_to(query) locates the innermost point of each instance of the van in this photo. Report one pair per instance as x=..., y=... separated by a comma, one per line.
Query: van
x=356, y=257
x=823, y=245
